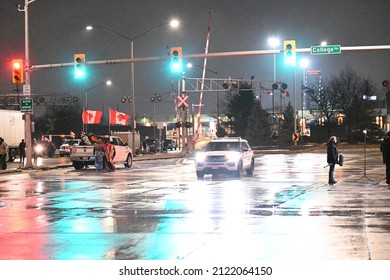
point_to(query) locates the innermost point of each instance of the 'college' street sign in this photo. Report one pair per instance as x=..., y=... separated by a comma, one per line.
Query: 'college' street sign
x=331, y=49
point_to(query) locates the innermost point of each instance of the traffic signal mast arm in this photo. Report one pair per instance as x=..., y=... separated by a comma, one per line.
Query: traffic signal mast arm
x=209, y=55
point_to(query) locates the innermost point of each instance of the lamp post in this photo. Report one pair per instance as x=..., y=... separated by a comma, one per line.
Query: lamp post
x=155, y=98
x=108, y=83
x=304, y=62
x=173, y=23
x=274, y=42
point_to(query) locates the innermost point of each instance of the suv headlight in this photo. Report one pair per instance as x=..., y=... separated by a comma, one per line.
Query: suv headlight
x=233, y=156
x=200, y=157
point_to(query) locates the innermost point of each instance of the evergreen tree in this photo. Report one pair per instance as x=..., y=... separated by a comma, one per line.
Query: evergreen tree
x=238, y=107
x=61, y=119
x=259, y=127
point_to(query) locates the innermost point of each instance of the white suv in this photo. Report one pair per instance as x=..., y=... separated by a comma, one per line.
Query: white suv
x=225, y=155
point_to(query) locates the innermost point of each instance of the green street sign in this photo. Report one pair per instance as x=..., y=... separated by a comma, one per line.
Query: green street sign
x=331, y=49
x=26, y=105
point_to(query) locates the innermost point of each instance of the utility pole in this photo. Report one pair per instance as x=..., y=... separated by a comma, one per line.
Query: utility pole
x=27, y=86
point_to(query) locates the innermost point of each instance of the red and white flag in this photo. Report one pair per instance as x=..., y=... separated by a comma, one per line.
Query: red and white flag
x=266, y=90
x=119, y=117
x=92, y=117
x=284, y=92
x=72, y=134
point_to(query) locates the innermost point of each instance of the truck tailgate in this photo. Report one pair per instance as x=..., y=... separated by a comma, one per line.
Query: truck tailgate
x=82, y=152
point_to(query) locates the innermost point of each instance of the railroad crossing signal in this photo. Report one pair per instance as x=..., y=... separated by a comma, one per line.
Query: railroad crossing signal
x=182, y=101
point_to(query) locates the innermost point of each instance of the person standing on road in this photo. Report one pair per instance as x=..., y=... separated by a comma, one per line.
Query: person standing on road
x=34, y=150
x=385, y=149
x=3, y=154
x=332, y=158
x=99, y=155
x=22, y=151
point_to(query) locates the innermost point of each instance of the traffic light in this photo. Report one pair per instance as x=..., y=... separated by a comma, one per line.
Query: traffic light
x=289, y=50
x=176, y=56
x=386, y=83
x=79, y=65
x=17, y=71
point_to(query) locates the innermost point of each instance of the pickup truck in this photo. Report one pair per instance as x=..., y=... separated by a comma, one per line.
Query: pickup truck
x=83, y=155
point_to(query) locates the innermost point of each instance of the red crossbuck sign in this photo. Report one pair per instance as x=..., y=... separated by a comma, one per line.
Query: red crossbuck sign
x=182, y=101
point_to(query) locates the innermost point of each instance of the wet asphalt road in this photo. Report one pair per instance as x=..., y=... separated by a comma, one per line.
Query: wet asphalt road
x=159, y=210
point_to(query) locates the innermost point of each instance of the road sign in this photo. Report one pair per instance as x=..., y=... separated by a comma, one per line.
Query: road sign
x=331, y=49
x=295, y=137
x=26, y=105
x=182, y=101
x=26, y=89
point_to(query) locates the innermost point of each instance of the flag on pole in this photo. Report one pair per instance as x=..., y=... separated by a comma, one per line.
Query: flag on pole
x=117, y=117
x=266, y=90
x=72, y=134
x=284, y=92
x=92, y=117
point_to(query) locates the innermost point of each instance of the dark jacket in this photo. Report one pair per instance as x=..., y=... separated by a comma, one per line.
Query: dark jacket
x=332, y=153
x=385, y=149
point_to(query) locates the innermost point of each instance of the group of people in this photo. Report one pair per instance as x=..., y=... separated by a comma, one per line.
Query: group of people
x=104, y=153
x=333, y=157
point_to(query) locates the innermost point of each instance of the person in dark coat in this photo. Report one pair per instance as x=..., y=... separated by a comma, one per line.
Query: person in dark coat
x=22, y=150
x=385, y=149
x=332, y=158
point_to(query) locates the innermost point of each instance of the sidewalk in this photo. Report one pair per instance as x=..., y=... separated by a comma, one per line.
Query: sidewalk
x=64, y=162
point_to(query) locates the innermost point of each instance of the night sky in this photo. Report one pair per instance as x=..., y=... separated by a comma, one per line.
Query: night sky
x=57, y=32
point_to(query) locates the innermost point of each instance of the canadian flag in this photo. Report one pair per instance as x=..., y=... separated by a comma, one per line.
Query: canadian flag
x=118, y=117
x=92, y=117
x=284, y=92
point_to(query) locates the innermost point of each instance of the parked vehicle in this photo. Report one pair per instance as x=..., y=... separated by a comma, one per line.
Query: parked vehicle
x=12, y=130
x=225, y=155
x=127, y=137
x=83, y=155
x=66, y=147
x=153, y=145
x=170, y=144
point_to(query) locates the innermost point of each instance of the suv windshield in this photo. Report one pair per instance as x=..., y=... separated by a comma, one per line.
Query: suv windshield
x=223, y=146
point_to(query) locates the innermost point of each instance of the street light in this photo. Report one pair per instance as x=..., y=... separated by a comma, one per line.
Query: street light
x=173, y=23
x=274, y=42
x=304, y=62
x=108, y=83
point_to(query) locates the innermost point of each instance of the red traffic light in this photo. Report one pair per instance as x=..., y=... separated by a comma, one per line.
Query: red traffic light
x=17, y=71
x=385, y=83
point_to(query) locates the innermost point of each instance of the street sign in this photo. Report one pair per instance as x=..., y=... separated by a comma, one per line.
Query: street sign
x=26, y=89
x=331, y=49
x=26, y=105
x=295, y=137
x=182, y=101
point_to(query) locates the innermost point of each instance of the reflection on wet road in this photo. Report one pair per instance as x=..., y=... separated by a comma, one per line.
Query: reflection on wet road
x=158, y=210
